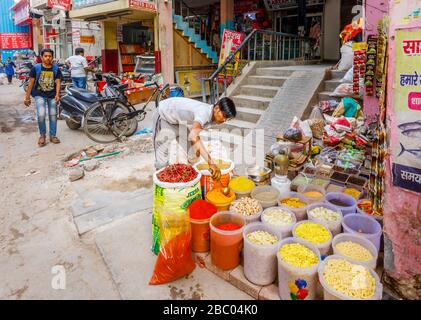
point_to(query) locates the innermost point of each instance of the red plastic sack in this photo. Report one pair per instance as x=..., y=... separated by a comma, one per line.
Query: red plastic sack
x=174, y=259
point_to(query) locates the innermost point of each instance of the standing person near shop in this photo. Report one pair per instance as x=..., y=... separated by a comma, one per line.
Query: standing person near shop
x=79, y=68
x=9, y=68
x=194, y=115
x=44, y=87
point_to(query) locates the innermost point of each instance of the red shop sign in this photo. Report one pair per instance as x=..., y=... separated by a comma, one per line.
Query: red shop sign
x=147, y=5
x=60, y=4
x=15, y=40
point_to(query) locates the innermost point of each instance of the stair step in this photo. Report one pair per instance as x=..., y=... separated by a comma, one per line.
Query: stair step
x=274, y=71
x=336, y=74
x=267, y=80
x=235, y=124
x=249, y=114
x=330, y=85
x=259, y=90
x=226, y=136
x=255, y=102
x=325, y=95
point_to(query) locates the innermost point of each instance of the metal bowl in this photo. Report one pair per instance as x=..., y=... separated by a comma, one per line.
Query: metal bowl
x=259, y=174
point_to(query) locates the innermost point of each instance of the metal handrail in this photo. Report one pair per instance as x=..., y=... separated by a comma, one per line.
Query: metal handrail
x=274, y=54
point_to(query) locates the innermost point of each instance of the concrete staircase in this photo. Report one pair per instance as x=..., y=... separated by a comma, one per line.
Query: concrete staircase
x=330, y=86
x=194, y=38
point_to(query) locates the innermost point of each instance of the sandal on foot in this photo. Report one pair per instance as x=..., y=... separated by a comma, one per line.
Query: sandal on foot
x=41, y=141
x=54, y=140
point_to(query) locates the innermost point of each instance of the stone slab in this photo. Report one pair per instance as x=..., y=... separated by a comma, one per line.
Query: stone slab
x=238, y=279
x=125, y=248
x=269, y=292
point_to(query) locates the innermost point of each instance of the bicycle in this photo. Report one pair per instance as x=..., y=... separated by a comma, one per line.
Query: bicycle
x=114, y=116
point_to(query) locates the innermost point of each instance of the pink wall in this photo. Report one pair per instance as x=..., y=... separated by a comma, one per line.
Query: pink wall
x=400, y=221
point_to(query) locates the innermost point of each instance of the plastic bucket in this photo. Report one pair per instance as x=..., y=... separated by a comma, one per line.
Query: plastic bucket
x=359, y=240
x=312, y=188
x=330, y=293
x=350, y=202
x=285, y=230
x=300, y=213
x=208, y=184
x=226, y=245
x=200, y=235
x=260, y=260
x=334, y=226
x=324, y=248
x=242, y=194
x=266, y=195
x=363, y=225
x=222, y=206
x=249, y=219
x=292, y=279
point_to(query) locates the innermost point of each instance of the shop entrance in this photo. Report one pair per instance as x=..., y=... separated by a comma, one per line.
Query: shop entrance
x=135, y=39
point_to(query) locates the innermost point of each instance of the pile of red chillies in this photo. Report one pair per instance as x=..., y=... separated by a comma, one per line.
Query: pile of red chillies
x=177, y=173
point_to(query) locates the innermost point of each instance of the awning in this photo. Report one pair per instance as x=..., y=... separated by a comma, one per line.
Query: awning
x=116, y=10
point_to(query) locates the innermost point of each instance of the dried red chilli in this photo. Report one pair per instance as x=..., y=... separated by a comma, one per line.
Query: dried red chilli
x=177, y=173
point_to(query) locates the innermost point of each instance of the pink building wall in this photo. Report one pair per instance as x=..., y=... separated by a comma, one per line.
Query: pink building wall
x=401, y=225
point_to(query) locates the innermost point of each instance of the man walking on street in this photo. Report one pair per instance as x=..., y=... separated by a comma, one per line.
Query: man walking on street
x=9, y=69
x=44, y=87
x=79, y=68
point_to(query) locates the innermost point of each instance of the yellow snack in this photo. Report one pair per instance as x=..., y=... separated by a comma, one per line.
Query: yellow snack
x=295, y=203
x=354, y=251
x=312, y=232
x=241, y=184
x=216, y=196
x=298, y=255
x=352, y=280
x=352, y=192
x=313, y=194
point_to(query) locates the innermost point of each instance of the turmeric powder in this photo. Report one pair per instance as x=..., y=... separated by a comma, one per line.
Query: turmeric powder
x=217, y=197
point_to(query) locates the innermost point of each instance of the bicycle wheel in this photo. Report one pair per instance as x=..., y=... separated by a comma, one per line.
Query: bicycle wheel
x=107, y=121
x=163, y=94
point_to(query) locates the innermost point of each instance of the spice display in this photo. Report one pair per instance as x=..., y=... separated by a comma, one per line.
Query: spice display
x=200, y=209
x=298, y=255
x=352, y=280
x=177, y=173
x=217, y=197
x=312, y=232
x=278, y=217
x=246, y=206
x=313, y=194
x=223, y=165
x=293, y=203
x=262, y=238
x=352, y=192
x=360, y=50
x=370, y=64
x=354, y=251
x=229, y=226
x=338, y=203
x=340, y=177
x=241, y=184
x=325, y=214
x=366, y=206
x=358, y=181
x=320, y=182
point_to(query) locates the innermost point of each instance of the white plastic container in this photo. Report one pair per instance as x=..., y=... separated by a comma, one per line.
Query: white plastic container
x=334, y=226
x=361, y=241
x=282, y=184
x=288, y=275
x=330, y=293
x=324, y=248
x=300, y=213
x=249, y=219
x=266, y=195
x=285, y=230
x=260, y=260
x=309, y=188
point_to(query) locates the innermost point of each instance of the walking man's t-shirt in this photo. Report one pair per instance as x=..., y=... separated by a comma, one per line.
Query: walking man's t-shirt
x=185, y=111
x=46, y=85
x=78, y=64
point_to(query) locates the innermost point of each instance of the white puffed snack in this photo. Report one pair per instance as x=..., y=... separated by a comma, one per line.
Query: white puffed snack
x=278, y=217
x=262, y=238
x=325, y=214
x=246, y=206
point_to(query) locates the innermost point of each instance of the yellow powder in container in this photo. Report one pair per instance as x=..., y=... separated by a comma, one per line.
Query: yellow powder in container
x=241, y=184
x=295, y=203
x=217, y=197
x=312, y=232
x=354, y=251
x=298, y=255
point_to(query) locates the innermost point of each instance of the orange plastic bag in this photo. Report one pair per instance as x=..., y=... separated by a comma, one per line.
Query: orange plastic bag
x=175, y=256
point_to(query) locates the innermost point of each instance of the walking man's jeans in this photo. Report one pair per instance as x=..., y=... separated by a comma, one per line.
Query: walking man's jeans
x=42, y=105
x=79, y=82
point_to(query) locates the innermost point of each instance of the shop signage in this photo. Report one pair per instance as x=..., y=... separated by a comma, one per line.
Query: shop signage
x=60, y=4
x=191, y=81
x=146, y=5
x=87, y=39
x=76, y=37
x=21, y=15
x=15, y=40
x=78, y=4
x=231, y=40
x=406, y=152
x=273, y=5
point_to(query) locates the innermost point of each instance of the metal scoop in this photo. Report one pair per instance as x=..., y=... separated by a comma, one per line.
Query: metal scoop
x=224, y=190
